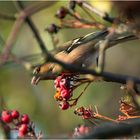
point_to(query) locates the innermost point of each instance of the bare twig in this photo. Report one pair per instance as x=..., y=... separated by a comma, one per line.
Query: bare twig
x=76, y=99
x=34, y=29
x=84, y=21
x=36, y=6
x=103, y=15
x=17, y=25
x=88, y=13
x=11, y=38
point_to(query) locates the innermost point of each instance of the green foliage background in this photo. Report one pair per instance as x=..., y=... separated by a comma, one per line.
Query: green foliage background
x=37, y=101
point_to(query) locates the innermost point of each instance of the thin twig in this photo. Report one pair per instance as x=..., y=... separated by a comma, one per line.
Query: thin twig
x=105, y=118
x=36, y=6
x=34, y=30
x=103, y=15
x=12, y=37
x=76, y=99
x=17, y=25
x=82, y=20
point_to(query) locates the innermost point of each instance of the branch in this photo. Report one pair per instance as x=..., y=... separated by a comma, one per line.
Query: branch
x=103, y=15
x=17, y=25
x=113, y=130
x=37, y=6
x=34, y=30
x=12, y=37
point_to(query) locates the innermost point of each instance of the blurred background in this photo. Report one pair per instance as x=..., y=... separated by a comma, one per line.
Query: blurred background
x=37, y=101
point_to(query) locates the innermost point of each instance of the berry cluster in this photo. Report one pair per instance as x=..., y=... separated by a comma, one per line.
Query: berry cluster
x=64, y=85
x=13, y=120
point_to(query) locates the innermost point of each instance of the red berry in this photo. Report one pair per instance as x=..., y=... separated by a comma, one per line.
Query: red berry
x=61, y=13
x=20, y=134
x=15, y=114
x=53, y=28
x=57, y=82
x=65, y=94
x=83, y=130
x=64, y=105
x=25, y=119
x=63, y=83
x=6, y=116
x=87, y=115
x=23, y=129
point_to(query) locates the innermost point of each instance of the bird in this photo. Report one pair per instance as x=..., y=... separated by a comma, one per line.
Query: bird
x=82, y=52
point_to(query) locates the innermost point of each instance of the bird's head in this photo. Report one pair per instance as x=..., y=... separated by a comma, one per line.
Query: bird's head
x=43, y=72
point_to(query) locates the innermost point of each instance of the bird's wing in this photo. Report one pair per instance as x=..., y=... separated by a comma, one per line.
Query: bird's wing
x=87, y=38
x=83, y=55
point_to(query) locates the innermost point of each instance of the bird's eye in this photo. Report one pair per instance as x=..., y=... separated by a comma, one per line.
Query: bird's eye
x=50, y=67
x=36, y=70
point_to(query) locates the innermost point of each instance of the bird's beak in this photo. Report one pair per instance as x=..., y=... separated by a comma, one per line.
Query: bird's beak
x=35, y=80
x=49, y=76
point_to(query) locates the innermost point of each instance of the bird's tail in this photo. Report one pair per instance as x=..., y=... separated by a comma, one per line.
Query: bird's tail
x=122, y=39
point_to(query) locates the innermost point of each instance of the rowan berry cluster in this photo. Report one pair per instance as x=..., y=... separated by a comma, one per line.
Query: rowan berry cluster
x=64, y=85
x=13, y=120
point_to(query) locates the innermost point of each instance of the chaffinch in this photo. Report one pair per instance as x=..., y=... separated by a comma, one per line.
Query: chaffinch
x=82, y=52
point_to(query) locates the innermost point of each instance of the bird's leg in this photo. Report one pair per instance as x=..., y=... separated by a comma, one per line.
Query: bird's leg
x=103, y=45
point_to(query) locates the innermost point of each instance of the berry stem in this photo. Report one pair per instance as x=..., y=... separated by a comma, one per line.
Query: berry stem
x=104, y=118
x=76, y=99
